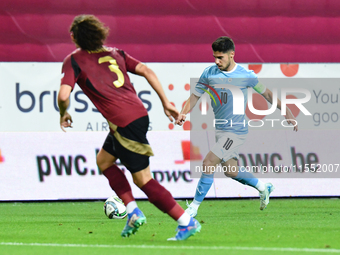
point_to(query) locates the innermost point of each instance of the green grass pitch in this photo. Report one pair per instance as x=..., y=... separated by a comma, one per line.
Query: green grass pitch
x=286, y=226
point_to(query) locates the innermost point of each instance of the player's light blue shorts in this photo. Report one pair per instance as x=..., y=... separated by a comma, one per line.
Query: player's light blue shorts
x=227, y=145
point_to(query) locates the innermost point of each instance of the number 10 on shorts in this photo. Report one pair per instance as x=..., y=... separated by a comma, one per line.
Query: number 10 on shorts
x=227, y=144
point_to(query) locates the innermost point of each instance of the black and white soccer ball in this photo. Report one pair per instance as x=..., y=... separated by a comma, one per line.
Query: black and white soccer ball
x=114, y=208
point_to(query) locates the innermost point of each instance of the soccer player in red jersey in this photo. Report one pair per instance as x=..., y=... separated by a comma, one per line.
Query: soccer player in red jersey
x=101, y=72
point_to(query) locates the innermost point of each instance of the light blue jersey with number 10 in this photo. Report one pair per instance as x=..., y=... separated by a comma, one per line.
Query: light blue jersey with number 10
x=212, y=80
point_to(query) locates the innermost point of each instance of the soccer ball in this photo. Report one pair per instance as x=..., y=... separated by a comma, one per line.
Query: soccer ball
x=114, y=208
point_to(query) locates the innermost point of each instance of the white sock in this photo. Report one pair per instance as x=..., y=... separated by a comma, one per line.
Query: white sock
x=184, y=219
x=260, y=186
x=195, y=204
x=131, y=206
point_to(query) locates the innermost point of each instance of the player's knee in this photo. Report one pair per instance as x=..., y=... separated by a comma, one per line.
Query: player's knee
x=141, y=180
x=208, y=166
x=137, y=182
x=230, y=174
x=99, y=162
x=102, y=163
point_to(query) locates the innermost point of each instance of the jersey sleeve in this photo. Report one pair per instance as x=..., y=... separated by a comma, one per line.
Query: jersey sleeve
x=252, y=79
x=69, y=77
x=130, y=61
x=255, y=84
x=200, y=87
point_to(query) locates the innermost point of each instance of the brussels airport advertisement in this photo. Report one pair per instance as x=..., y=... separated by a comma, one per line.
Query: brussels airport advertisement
x=40, y=162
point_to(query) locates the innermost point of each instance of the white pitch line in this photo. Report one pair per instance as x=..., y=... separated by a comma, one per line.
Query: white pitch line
x=326, y=250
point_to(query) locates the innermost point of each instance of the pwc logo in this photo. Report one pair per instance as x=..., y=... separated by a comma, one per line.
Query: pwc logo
x=190, y=152
x=2, y=159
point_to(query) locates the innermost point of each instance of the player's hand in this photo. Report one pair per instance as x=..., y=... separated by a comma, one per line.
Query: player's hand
x=170, y=111
x=66, y=121
x=291, y=119
x=181, y=119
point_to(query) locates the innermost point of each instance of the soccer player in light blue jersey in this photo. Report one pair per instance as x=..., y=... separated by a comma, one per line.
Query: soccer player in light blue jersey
x=229, y=138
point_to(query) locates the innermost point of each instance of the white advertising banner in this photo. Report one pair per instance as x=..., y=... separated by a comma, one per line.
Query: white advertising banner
x=39, y=162
x=57, y=165
x=28, y=95
x=303, y=163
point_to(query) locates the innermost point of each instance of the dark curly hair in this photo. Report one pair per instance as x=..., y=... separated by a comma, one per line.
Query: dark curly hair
x=89, y=32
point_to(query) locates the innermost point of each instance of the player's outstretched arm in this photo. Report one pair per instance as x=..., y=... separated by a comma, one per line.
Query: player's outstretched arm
x=189, y=104
x=152, y=79
x=268, y=95
x=63, y=103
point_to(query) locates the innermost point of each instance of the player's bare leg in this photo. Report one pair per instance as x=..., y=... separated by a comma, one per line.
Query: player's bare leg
x=105, y=160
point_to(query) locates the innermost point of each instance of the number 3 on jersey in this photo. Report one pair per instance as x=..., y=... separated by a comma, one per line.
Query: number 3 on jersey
x=113, y=68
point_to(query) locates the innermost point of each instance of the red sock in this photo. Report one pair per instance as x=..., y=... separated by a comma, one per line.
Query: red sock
x=162, y=199
x=176, y=212
x=119, y=183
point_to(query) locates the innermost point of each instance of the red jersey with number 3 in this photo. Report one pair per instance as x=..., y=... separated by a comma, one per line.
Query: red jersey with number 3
x=103, y=78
